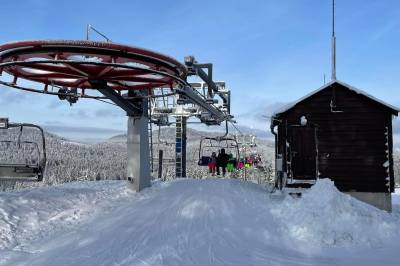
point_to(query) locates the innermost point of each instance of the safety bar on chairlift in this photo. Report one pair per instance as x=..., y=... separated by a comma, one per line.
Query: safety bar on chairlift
x=22, y=125
x=219, y=139
x=26, y=142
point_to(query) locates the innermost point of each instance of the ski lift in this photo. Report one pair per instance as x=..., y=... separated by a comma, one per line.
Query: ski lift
x=210, y=144
x=30, y=170
x=214, y=144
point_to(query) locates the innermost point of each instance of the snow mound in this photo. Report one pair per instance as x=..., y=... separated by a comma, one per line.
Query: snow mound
x=325, y=216
x=192, y=222
x=29, y=214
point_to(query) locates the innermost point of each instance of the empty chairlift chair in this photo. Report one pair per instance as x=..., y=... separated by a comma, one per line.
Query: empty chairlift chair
x=30, y=170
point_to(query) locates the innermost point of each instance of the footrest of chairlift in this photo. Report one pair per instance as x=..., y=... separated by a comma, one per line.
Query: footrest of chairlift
x=20, y=172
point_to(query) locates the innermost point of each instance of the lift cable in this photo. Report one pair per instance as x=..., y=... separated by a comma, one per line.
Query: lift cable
x=237, y=129
x=104, y=101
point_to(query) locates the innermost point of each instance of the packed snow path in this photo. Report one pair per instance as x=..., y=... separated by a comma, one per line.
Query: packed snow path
x=192, y=222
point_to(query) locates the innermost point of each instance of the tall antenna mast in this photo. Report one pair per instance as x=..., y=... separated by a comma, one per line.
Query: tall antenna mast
x=333, y=42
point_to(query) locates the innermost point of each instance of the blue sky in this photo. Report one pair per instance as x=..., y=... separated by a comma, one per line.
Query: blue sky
x=269, y=52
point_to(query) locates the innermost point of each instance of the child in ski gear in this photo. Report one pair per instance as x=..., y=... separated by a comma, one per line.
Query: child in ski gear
x=212, y=165
x=231, y=166
x=240, y=165
x=247, y=163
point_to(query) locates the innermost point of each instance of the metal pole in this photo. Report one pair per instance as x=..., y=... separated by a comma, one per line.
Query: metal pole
x=87, y=31
x=89, y=28
x=150, y=129
x=138, y=166
x=184, y=126
x=160, y=160
x=333, y=42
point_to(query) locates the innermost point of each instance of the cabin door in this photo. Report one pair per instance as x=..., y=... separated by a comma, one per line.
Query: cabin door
x=303, y=152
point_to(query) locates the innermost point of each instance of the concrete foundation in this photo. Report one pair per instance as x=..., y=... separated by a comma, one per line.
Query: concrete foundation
x=381, y=200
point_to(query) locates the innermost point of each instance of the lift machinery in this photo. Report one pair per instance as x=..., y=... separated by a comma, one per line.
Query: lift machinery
x=127, y=76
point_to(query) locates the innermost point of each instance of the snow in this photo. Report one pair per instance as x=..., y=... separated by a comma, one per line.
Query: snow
x=303, y=120
x=326, y=217
x=396, y=197
x=193, y=222
x=31, y=213
x=70, y=142
x=85, y=58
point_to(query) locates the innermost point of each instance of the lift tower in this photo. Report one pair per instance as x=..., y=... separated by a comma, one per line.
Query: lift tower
x=125, y=75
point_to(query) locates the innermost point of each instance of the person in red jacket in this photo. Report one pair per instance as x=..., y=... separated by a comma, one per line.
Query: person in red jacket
x=212, y=165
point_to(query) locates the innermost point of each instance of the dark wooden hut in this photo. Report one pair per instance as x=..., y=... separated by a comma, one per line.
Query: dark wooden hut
x=341, y=133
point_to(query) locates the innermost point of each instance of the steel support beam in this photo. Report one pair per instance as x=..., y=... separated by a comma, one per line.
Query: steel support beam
x=200, y=101
x=207, y=78
x=107, y=91
x=194, y=68
x=138, y=166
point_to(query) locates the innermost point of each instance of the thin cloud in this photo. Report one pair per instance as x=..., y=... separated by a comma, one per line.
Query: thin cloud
x=79, y=129
x=263, y=113
x=54, y=104
x=78, y=114
x=107, y=112
x=53, y=123
x=9, y=96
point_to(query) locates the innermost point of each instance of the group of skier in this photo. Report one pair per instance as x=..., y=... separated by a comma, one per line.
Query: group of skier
x=228, y=163
x=218, y=161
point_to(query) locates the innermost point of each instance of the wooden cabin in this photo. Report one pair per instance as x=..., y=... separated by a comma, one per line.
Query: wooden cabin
x=342, y=133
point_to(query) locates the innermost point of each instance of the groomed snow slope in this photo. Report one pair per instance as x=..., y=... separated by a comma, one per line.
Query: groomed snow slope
x=193, y=222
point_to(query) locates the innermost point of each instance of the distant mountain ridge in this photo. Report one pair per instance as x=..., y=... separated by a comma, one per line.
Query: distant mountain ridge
x=169, y=133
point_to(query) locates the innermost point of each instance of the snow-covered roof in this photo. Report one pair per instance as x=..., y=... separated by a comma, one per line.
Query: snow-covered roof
x=356, y=90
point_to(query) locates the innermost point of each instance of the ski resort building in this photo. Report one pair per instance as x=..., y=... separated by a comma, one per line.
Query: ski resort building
x=341, y=133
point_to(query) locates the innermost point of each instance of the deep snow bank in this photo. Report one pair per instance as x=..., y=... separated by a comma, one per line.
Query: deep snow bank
x=193, y=222
x=396, y=197
x=33, y=213
x=325, y=216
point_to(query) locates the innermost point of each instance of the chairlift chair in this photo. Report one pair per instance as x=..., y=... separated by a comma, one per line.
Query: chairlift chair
x=32, y=170
x=217, y=143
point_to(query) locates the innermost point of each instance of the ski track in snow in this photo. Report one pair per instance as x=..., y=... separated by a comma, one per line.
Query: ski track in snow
x=191, y=222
